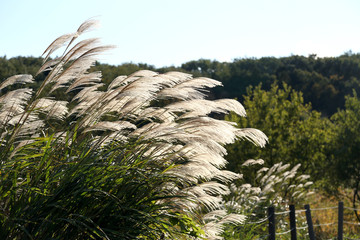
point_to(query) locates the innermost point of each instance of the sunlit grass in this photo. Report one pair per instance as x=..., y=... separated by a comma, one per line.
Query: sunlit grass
x=138, y=158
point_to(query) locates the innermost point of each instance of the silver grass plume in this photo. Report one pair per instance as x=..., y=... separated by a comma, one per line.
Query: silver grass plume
x=70, y=71
x=17, y=79
x=183, y=136
x=278, y=185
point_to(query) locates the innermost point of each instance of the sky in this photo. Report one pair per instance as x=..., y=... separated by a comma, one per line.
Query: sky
x=169, y=32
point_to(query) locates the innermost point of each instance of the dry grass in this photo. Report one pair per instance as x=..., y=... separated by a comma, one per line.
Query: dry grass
x=321, y=200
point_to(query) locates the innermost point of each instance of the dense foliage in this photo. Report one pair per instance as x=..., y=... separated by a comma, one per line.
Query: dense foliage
x=324, y=81
x=345, y=148
x=297, y=134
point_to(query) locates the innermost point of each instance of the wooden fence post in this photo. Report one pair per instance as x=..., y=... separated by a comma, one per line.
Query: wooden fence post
x=340, y=220
x=309, y=222
x=292, y=222
x=271, y=217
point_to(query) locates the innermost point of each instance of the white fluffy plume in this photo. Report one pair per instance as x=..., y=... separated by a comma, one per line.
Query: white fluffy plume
x=17, y=79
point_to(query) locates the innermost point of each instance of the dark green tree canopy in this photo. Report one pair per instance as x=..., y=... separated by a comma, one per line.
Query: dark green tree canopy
x=297, y=134
x=324, y=81
x=346, y=143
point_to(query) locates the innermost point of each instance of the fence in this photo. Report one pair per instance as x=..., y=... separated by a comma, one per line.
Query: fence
x=271, y=218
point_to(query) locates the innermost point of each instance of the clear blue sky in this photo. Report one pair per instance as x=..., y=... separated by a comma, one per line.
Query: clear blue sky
x=169, y=32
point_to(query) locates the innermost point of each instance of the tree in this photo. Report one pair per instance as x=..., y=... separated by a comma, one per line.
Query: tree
x=346, y=146
x=296, y=133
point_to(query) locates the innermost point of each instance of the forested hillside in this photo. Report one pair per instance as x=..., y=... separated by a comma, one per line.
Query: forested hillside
x=324, y=82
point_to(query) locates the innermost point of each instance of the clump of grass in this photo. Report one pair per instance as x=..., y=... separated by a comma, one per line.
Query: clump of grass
x=138, y=158
x=77, y=192
x=278, y=186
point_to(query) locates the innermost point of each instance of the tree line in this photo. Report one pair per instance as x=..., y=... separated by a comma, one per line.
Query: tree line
x=324, y=82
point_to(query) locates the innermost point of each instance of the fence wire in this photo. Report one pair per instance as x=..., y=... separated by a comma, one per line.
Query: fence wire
x=260, y=221
x=320, y=209
x=352, y=223
x=302, y=228
x=286, y=232
x=324, y=224
x=300, y=211
x=353, y=209
x=281, y=213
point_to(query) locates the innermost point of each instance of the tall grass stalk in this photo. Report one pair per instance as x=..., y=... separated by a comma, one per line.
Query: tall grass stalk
x=137, y=159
